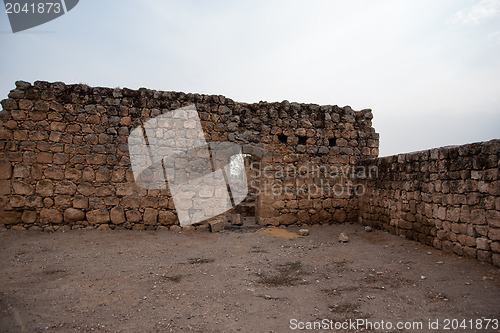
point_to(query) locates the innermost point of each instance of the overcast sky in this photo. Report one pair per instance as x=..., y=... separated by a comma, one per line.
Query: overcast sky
x=429, y=70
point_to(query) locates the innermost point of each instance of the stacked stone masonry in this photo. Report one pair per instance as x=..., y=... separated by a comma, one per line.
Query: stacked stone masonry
x=448, y=198
x=65, y=164
x=64, y=160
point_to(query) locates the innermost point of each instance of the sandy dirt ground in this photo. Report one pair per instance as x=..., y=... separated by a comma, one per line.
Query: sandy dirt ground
x=239, y=281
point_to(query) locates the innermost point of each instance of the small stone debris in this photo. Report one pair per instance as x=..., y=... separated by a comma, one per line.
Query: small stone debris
x=175, y=228
x=203, y=227
x=343, y=238
x=236, y=219
x=368, y=228
x=217, y=225
x=304, y=232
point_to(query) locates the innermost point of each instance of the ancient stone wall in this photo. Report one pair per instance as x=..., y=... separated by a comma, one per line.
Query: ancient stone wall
x=64, y=158
x=446, y=197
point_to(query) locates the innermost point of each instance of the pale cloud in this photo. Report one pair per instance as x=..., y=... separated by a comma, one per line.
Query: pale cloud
x=484, y=9
x=494, y=36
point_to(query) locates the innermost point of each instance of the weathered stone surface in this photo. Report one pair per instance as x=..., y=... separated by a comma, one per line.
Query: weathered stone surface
x=22, y=188
x=150, y=216
x=23, y=85
x=494, y=234
x=217, y=224
x=103, y=227
x=86, y=189
x=80, y=202
x=138, y=227
x=133, y=216
x=303, y=232
x=10, y=217
x=117, y=215
x=21, y=171
x=236, y=219
x=65, y=146
x=495, y=247
x=343, y=238
x=51, y=216
x=167, y=218
x=73, y=215
x=175, y=228
x=493, y=218
x=65, y=187
x=5, y=170
x=103, y=174
x=9, y=104
x=98, y=216
x=29, y=216
x=458, y=192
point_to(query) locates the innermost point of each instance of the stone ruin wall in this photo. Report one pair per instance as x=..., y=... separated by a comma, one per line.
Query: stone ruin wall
x=64, y=164
x=64, y=159
x=448, y=198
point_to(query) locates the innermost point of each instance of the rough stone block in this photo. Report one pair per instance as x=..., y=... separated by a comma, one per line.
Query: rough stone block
x=55, y=173
x=288, y=219
x=465, y=214
x=453, y=214
x=48, y=202
x=117, y=215
x=478, y=216
x=483, y=243
x=86, y=189
x=22, y=188
x=175, y=228
x=103, y=174
x=495, y=247
x=98, y=216
x=17, y=201
x=441, y=213
x=103, y=227
x=29, y=216
x=51, y=216
x=80, y=202
x=4, y=187
x=10, y=217
x=5, y=170
x=484, y=255
x=495, y=259
x=493, y=218
x=9, y=104
x=217, y=224
x=150, y=216
x=133, y=216
x=494, y=234
x=470, y=252
x=236, y=219
x=66, y=187
x=73, y=215
x=167, y=218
